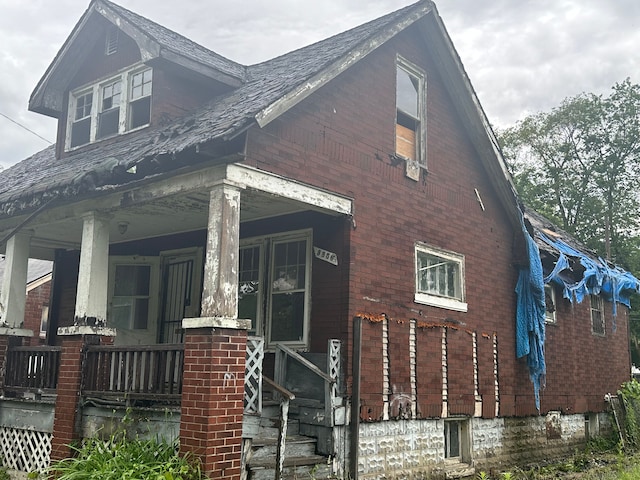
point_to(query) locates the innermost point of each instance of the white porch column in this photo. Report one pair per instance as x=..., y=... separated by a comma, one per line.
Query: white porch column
x=14, y=285
x=220, y=288
x=93, y=275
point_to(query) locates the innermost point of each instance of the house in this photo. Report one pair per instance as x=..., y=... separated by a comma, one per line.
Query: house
x=333, y=229
x=38, y=290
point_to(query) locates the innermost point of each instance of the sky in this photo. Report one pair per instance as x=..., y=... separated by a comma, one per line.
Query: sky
x=522, y=56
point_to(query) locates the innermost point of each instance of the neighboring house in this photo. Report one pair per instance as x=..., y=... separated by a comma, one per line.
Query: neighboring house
x=39, y=273
x=336, y=224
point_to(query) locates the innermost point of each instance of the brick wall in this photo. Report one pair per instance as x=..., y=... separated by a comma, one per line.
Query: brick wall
x=37, y=300
x=342, y=138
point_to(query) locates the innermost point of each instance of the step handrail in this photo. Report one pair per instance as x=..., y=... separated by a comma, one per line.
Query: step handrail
x=286, y=396
x=306, y=363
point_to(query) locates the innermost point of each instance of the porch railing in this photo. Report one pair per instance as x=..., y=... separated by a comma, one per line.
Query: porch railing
x=32, y=369
x=147, y=372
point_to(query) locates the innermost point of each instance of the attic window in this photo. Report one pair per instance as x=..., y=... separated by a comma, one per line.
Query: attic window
x=111, y=41
x=111, y=107
x=410, y=113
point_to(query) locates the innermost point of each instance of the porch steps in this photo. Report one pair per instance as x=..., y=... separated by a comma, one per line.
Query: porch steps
x=300, y=461
x=301, y=457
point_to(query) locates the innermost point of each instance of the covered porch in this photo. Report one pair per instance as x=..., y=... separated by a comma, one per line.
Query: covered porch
x=156, y=287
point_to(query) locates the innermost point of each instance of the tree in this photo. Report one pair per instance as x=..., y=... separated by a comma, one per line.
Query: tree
x=579, y=165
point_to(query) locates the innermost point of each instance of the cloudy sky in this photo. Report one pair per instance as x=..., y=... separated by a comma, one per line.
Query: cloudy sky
x=523, y=56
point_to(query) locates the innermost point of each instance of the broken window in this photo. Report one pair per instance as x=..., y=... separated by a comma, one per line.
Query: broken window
x=122, y=103
x=439, y=278
x=597, y=315
x=410, y=113
x=550, y=303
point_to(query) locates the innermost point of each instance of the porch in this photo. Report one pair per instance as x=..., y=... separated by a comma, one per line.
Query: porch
x=149, y=379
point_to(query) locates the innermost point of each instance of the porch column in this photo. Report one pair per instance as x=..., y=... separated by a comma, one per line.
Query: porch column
x=14, y=285
x=215, y=349
x=88, y=328
x=93, y=275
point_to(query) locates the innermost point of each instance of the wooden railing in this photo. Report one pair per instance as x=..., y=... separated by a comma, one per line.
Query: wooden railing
x=32, y=369
x=143, y=372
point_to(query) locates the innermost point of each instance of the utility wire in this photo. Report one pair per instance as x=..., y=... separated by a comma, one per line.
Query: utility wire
x=26, y=128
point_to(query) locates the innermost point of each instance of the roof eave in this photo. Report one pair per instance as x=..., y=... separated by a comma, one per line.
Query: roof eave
x=302, y=91
x=472, y=114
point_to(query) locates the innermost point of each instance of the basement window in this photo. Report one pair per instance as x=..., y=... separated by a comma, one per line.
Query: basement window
x=111, y=107
x=410, y=113
x=439, y=278
x=597, y=315
x=456, y=441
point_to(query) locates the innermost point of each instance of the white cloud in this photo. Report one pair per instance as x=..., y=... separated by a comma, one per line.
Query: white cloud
x=522, y=56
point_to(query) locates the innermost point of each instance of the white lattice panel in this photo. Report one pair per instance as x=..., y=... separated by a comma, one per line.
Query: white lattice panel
x=25, y=450
x=253, y=375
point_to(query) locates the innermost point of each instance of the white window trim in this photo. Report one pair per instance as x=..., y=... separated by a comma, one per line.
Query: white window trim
x=421, y=135
x=264, y=295
x=436, y=300
x=95, y=88
x=261, y=243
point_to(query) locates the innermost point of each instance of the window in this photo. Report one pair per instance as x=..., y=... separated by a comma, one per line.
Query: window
x=133, y=297
x=550, y=304
x=439, y=278
x=123, y=103
x=274, y=289
x=457, y=440
x=597, y=315
x=44, y=321
x=410, y=113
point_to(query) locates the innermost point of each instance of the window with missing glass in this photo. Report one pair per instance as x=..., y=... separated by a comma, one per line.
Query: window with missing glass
x=439, y=278
x=410, y=112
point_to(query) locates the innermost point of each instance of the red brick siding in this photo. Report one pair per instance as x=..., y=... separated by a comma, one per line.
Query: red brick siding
x=212, y=399
x=37, y=299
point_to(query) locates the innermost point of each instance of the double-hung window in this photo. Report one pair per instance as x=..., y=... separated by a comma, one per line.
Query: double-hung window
x=111, y=107
x=410, y=113
x=597, y=315
x=439, y=278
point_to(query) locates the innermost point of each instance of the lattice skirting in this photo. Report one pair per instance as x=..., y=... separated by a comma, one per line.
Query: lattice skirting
x=25, y=450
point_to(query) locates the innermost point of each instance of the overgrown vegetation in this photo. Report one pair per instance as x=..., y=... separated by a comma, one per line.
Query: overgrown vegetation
x=120, y=457
x=630, y=395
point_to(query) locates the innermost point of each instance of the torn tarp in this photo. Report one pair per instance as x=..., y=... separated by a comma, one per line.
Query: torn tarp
x=530, y=329
x=599, y=277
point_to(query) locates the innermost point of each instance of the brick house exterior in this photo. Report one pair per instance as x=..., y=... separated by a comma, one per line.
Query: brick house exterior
x=194, y=202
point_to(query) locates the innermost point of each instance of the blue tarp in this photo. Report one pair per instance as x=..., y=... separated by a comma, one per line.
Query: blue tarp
x=599, y=278
x=530, y=312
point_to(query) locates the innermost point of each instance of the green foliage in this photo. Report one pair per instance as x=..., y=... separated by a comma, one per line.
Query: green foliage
x=121, y=458
x=630, y=394
x=579, y=165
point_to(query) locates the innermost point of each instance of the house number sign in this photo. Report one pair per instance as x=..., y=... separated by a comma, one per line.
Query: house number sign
x=326, y=255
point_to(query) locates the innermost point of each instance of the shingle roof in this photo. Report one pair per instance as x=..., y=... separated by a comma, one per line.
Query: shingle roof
x=40, y=177
x=177, y=43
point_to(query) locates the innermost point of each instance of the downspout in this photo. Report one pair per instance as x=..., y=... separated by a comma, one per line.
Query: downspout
x=355, y=398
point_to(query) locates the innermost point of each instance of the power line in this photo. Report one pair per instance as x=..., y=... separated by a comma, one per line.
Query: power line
x=26, y=128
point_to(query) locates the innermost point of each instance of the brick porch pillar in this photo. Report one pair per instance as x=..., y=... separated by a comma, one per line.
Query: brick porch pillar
x=215, y=349
x=66, y=420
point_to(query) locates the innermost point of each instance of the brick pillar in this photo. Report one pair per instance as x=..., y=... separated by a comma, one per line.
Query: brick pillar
x=212, y=397
x=66, y=420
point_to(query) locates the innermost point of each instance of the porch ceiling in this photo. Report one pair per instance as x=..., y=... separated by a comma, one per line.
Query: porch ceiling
x=174, y=207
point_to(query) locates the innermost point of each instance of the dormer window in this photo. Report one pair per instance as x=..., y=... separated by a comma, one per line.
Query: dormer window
x=111, y=107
